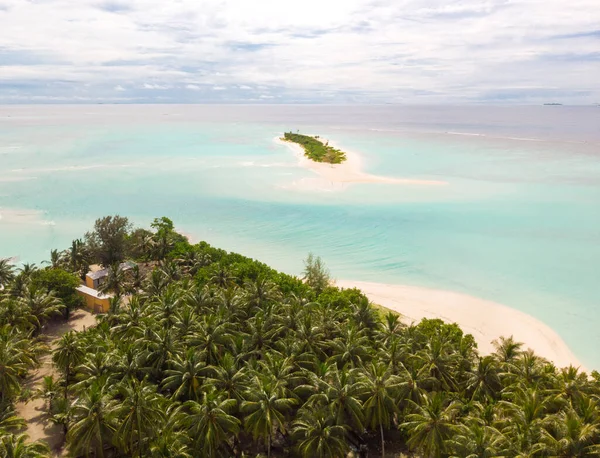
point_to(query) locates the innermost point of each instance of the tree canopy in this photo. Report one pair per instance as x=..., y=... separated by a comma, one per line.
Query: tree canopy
x=315, y=149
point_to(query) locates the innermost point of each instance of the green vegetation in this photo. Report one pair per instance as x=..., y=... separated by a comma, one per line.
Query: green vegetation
x=207, y=353
x=315, y=149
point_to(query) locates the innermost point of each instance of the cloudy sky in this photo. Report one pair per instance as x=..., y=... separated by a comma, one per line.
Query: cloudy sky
x=283, y=51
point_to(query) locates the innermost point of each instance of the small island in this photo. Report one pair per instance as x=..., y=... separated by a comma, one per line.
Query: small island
x=315, y=149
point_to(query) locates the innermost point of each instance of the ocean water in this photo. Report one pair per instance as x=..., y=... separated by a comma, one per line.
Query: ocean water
x=518, y=222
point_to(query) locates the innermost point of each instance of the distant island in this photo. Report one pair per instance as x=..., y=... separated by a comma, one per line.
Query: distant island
x=553, y=104
x=315, y=149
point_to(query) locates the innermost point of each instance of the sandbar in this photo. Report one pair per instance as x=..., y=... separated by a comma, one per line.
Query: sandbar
x=350, y=171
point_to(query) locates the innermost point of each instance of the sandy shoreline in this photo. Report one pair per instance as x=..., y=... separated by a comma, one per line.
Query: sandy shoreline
x=485, y=320
x=350, y=171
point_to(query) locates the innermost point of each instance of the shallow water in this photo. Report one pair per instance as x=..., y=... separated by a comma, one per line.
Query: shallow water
x=518, y=223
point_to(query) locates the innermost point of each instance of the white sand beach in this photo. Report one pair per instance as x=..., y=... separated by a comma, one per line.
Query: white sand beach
x=485, y=320
x=350, y=171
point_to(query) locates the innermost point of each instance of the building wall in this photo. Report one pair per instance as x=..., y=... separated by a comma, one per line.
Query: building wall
x=95, y=304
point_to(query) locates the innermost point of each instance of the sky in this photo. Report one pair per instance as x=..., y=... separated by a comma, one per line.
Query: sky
x=309, y=51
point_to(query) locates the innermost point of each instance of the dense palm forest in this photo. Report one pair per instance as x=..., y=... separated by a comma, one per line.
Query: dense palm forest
x=206, y=353
x=315, y=149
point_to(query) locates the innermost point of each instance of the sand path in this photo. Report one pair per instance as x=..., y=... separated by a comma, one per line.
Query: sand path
x=485, y=320
x=39, y=426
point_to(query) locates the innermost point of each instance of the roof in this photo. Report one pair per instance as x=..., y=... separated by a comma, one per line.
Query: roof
x=92, y=292
x=95, y=275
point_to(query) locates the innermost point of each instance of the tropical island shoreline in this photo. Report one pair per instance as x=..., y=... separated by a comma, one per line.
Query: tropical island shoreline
x=485, y=320
x=131, y=320
x=350, y=171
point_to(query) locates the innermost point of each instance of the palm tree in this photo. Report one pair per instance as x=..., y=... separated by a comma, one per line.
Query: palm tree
x=339, y=391
x=9, y=420
x=228, y=378
x=48, y=390
x=484, y=380
x=18, y=446
x=56, y=259
x=318, y=436
x=507, y=350
x=94, y=417
x=141, y=416
x=184, y=379
x=210, y=423
x=27, y=270
x=7, y=272
x=146, y=246
x=17, y=356
x=265, y=410
x=261, y=291
x=431, y=425
x=211, y=338
x=167, y=304
x=476, y=441
x=115, y=281
x=365, y=316
x=523, y=414
x=567, y=435
x=222, y=277
x=40, y=305
x=350, y=347
x=79, y=258
x=67, y=355
x=380, y=387
x=392, y=327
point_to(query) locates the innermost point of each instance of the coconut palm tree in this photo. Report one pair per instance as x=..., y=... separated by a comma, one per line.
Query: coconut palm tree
x=211, y=338
x=484, y=380
x=184, y=379
x=7, y=272
x=523, y=413
x=340, y=391
x=48, y=391
x=210, y=423
x=18, y=446
x=261, y=291
x=265, y=410
x=380, y=390
x=475, y=440
x=320, y=437
x=9, y=420
x=56, y=259
x=115, y=281
x=431, y=425
x=40, y=305
x=141, y=416
x=227, y=377
x=94, y=422
x=79, y=258
x=350, y=348
x=567, y=435
x=17, y=356
x=68, y=354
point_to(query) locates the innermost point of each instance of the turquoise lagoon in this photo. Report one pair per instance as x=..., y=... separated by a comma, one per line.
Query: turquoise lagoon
x=518, y=222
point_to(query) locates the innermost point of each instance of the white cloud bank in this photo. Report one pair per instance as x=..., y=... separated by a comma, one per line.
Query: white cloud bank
x=348, y=51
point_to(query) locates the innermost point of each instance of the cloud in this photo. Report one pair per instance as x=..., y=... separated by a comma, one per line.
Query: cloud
x=156, y=86
x=352, y=51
